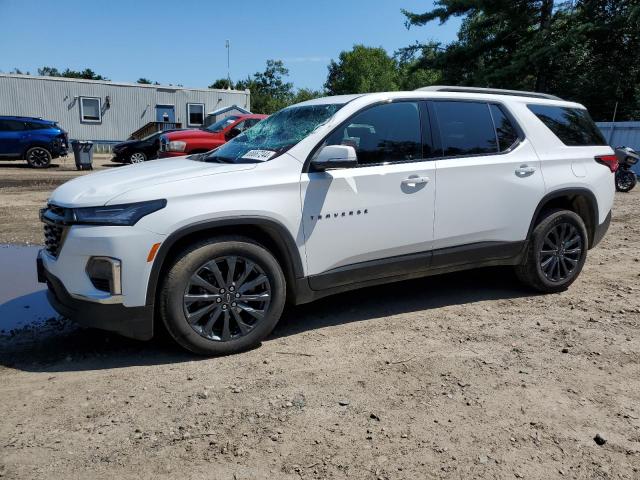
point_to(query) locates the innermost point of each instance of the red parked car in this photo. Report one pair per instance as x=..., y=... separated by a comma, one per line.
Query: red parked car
x=187, y=142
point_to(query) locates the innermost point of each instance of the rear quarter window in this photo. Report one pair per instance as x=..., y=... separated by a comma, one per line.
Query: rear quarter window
x=573, y=126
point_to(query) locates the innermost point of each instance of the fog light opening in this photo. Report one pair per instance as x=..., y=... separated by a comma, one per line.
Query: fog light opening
x=105, y=274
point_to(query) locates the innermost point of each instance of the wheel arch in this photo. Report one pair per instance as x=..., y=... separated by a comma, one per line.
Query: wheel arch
x=268, y=232
x=582, y=201
x=37, y=143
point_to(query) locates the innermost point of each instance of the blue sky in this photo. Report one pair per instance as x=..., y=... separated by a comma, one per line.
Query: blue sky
x=183, y=42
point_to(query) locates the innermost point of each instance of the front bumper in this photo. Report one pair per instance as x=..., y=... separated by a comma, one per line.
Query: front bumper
x=132, y=322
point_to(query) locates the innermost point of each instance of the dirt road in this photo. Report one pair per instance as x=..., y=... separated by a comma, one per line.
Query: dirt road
x=24, y=191
x=461, y=376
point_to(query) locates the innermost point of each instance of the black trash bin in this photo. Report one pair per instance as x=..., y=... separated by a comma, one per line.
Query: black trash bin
x=83, y=154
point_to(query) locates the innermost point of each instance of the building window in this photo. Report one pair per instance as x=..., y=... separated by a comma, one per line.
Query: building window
x=195, y=114
x=90, y=109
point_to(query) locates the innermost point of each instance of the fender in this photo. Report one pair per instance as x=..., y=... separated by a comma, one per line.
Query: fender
x=270, y=226
x=570, y=193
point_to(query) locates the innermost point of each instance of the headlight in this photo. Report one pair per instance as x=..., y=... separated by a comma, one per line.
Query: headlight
x=127, y=214
x=176, y=146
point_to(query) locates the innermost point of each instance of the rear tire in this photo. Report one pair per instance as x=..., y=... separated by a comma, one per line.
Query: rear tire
x=222, y=295
x=625, y=180
x=556, y=252
x=38, y=157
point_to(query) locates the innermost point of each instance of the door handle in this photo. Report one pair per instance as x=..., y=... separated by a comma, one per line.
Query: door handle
x=525, y=170
x=413, y=181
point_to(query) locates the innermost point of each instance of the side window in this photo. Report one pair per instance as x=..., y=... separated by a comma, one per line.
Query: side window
x=240, y=126
x=90, y=109
x=573, y=126
x=466, y=128
x=11, y=126
x=35, y=126
x=506, y=132
x=384, y=133
x=195, y=114
x=250, y=123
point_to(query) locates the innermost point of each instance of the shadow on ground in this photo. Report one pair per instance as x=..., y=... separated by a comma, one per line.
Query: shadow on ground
x=74, y=349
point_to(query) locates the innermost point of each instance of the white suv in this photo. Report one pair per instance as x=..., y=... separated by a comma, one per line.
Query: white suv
x=325, y=196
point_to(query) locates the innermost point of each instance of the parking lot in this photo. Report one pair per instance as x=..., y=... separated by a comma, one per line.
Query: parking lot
x=466, y=375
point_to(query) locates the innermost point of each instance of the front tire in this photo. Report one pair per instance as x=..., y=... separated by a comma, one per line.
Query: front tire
x=222, y=296
x=556, y=252
x=38, y=157
x=137, y=157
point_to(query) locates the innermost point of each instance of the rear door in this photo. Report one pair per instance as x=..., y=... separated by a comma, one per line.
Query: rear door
x=12, y=137
x=381, y=209
x=489, y=180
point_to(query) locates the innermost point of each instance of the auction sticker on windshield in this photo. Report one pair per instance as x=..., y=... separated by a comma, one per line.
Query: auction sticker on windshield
x=261, y=155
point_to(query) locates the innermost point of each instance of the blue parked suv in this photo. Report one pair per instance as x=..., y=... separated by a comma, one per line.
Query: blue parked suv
x=35, y=140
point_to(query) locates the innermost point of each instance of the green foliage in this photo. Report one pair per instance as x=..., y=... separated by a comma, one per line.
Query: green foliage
x=584, y=50
x=220, y=84
x=269, y=90
x=87, y=73
x=144, y=81
x=304, y=94
x=362, y=70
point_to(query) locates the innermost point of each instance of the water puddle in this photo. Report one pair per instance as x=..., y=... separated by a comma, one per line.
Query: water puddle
x=23, y=301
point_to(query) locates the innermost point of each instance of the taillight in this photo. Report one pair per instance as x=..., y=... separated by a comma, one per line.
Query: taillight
x=610, y=161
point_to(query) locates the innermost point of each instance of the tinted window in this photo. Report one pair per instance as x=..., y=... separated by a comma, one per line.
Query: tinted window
x=11, y=126
x=222, y=124
x=384, y=133
x=573, y=126
x=37, y=126
x=506, y=132
x=466, y=128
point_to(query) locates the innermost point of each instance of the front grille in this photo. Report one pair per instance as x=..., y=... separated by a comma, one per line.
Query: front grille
x=55, y=219
x=53, y=238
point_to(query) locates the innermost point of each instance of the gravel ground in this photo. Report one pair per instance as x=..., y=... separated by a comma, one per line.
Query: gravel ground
x=24, y=191
x=460, y=376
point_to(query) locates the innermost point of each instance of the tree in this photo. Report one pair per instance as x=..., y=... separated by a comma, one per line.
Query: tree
x=269, y=90
x=362, y=70
x=87, y=73
x=304, y=94
x=221, y=84
x=144, y=81
x=584, y=50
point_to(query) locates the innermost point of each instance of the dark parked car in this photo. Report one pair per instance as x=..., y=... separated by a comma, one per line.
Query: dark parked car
x=35, y=140
x=138, y=151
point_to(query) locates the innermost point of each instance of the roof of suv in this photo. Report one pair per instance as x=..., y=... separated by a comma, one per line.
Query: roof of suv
x=26, y=119
x=469, y=93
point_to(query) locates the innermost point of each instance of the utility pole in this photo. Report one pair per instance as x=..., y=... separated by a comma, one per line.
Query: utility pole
x=228, y=46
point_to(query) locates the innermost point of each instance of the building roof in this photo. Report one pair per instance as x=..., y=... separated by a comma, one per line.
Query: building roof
x=226, y=109
x=118, y=84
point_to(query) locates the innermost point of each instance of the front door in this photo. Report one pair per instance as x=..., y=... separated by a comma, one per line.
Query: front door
x=12, y=137
x=365, y=219
x=165, y=113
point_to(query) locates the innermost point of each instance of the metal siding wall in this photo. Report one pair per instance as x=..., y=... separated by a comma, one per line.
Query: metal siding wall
x=131, y=106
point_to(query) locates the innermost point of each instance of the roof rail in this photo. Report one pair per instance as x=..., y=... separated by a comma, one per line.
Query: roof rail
x=491, y=91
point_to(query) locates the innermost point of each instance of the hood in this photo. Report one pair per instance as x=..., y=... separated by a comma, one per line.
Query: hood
x=99, y=188
x=193, y=133
x=125, y=144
